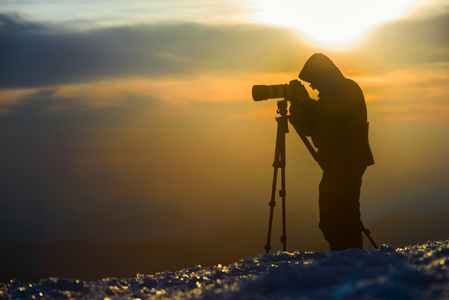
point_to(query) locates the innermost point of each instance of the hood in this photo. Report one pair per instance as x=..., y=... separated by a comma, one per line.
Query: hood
x=320, y=68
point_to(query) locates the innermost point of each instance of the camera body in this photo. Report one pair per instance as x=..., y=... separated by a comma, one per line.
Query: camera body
x=264, y=92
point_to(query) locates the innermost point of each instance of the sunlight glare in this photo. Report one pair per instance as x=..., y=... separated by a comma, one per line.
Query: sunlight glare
x=328, y=22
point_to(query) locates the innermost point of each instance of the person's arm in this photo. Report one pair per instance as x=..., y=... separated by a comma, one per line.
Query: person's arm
x=303, y=109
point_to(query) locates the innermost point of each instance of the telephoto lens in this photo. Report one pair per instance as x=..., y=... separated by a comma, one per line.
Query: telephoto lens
x=264, y=92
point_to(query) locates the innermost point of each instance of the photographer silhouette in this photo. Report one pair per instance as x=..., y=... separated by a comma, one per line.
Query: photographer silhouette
x=337, y=124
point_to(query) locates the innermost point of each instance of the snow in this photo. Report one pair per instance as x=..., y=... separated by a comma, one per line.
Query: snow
x=413, y=272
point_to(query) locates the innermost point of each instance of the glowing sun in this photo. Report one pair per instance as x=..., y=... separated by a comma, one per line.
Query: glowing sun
x=328, y=22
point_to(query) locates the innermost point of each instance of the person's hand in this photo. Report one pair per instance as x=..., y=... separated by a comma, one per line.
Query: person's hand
x=299, y=91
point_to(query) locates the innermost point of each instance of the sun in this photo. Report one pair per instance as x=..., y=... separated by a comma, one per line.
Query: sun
x=331, y=23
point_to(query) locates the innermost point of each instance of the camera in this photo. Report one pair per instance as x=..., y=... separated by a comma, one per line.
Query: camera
x=264, y=92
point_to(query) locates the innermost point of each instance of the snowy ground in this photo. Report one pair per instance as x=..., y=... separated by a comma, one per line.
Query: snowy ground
x=415, y=272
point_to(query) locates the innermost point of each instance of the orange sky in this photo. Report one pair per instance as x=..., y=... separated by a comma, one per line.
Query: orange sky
x=157, y=121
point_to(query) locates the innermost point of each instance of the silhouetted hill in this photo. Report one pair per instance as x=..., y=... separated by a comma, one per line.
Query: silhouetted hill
x=400, y=230
x=31, y=261
x=241, y=238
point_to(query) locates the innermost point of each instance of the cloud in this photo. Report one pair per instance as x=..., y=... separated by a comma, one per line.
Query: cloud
x=35, y=54
x=406, y=42
x=106, y=13
x=11, y=24
x=414, y=94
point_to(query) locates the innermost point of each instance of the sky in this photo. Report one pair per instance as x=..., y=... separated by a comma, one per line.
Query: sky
x=133, y=120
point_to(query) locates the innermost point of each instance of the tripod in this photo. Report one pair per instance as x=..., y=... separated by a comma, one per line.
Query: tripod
x=279, y=162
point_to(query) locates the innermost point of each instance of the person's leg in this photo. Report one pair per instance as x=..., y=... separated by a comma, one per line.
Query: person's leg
x=328, y=211
x=334, y=239
x=340, y=209
x=352, y=239
x=351, y=223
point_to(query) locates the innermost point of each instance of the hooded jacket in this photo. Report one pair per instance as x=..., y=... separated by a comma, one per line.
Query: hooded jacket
x=337, y=122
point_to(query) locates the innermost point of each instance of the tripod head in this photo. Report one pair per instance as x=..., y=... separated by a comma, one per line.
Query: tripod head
x=282, y=120
x=282, y=107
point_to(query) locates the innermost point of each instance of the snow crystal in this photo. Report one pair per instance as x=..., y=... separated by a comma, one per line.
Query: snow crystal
x=414, y=272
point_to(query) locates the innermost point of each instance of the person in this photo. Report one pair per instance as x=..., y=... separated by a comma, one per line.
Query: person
x=337, y=124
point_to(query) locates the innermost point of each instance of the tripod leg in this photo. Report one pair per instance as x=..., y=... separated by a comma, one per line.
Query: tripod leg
x=368, y=235
x=276, y=165
x=283, y=193
x=273, y=201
